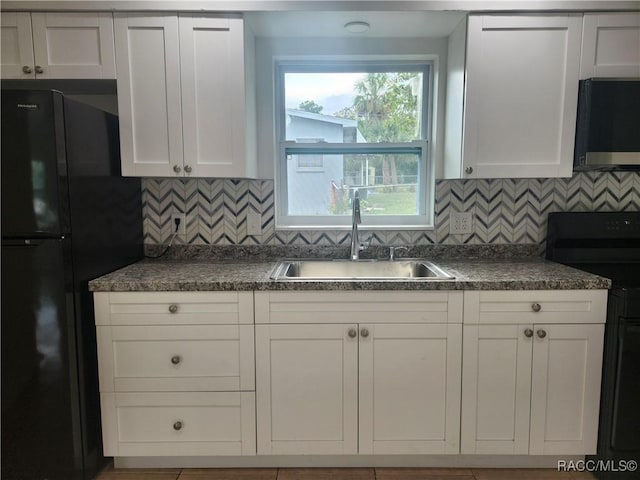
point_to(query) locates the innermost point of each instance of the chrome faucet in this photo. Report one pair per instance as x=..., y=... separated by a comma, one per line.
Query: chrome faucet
x=356, y=245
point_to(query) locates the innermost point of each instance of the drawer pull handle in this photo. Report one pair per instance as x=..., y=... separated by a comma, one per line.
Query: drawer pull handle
x=352, y=333
x=176, y=359
x=177, y=426
x=536, y=307
x=173, y=308
x=541, y=333
x=27, y=69
x=364, y=333
x=39, y=69
x=528, y=333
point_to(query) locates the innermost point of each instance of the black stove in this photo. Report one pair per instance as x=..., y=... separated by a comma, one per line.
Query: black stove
x=608, y=244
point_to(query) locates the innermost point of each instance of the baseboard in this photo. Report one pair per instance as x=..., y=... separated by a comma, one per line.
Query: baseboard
x=288, y=461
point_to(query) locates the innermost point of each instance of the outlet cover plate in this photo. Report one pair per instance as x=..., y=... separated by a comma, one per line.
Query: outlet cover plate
x=461, y=222
x=182, y=228
x=254, y=223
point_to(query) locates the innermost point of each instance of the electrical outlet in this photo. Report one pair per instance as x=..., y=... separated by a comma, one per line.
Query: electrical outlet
x=254, y=223
x=182, y=228
x=461, y=222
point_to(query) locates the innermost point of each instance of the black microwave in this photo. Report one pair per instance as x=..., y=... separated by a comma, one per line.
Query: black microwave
x=608, y=124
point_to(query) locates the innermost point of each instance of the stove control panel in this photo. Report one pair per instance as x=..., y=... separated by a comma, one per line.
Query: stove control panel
x=628, y=224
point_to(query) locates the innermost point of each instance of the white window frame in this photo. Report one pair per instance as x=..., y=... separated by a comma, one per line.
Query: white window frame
x=424, y=218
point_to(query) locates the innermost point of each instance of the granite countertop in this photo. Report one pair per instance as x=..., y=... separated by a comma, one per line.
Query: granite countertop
x=197, y=274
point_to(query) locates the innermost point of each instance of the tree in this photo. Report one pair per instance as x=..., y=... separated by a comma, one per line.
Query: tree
x=386, y=109
x=310, y=106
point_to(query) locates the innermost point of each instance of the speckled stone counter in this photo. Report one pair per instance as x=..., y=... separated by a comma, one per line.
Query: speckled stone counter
x=242, y=275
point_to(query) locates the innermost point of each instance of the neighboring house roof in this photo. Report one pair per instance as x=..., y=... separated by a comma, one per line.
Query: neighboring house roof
x=320, y=117
x=345, y=122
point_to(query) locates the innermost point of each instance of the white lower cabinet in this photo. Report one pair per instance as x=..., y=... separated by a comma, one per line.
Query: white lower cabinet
x=177, y=373
x=409, y=387
x=565, y=389
x=176, y=424
x=347, y=387
x=350, y=372
x=532, y=388
x=307, y=384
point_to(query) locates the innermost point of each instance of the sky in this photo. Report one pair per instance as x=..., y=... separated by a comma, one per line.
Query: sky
x=334, y=91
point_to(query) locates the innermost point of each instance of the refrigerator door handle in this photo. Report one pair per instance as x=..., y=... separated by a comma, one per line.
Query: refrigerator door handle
x=27, y=242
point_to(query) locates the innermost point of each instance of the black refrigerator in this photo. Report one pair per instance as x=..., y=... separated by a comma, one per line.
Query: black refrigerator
x=67, y=217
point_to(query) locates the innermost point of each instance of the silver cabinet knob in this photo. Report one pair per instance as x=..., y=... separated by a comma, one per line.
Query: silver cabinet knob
x=177, y=425
x=541, y=333
x=176, y=169
x=187, y=168
x=528, y=333
x=27, y=69
x=176, y=359
x=352, y=333
x=536, y=307
x=173, y=308
x=39, y=69
x=364, y=333
x=468, y=170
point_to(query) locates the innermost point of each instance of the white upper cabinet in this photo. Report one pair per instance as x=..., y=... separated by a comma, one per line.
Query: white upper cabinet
x=57, y=45
x=610, y=45
x=521, y=95
x=148, y=62
x=17, y=45
x=184, y=96
x=214, y=97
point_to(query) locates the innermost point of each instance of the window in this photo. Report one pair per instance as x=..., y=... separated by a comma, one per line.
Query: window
x=360, y=126
x=310, y=163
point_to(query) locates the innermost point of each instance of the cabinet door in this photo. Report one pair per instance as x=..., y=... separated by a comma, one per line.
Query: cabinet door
x=306, y=389
x=213, y=96
x=521, y=97
x=610, y=45
x=410, y=388
x=74, y=45
x=565, y=396
x=17, y=45
x=148, y=64
x=496, y=387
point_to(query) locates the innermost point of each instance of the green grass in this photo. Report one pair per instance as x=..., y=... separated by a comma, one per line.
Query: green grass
x=390, y=203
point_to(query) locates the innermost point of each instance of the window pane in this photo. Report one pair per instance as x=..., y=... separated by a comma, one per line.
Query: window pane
x=388, y=184
x=350, y=107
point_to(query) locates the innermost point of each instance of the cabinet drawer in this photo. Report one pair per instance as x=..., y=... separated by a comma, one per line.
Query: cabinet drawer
x=154, y=424
x=535, y=306
x=171, y=308
x=358, y=307
x=176, y=358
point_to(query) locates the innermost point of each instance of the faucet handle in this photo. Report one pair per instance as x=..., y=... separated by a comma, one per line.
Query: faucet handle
x=393, y=250
x=365, y=244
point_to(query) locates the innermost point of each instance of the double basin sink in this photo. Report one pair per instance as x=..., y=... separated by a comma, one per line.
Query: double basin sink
x=339, y=270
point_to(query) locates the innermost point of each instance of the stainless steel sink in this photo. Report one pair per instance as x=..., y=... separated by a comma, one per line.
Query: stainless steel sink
x=359, y=270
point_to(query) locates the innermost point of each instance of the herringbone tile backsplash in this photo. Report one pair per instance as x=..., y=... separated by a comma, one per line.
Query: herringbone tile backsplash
x=505, y=210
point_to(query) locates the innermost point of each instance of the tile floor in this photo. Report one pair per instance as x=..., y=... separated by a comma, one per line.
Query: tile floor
x=340, y=474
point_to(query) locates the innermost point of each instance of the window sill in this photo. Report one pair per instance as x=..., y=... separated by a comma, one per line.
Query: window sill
x=347, y=228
